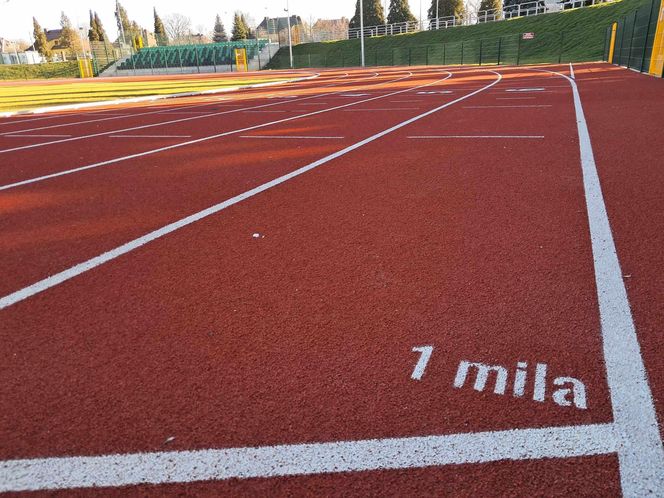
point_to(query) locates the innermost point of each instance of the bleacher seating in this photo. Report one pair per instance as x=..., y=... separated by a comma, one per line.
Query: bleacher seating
x=211, y=54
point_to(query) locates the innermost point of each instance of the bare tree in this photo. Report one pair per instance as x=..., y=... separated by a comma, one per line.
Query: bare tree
x=178, y=28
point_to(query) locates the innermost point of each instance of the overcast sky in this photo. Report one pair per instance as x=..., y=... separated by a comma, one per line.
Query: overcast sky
x=16, y=15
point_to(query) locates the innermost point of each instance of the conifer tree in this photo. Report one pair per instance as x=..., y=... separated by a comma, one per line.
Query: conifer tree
x=93, y=32
x=159, y=30
x=68, y=36
x=100, y=28
x=373, y=14
x=448, y=8
x=41, y=43
x=239, y=28
x=490, y=9
x=219, y=33
x=400, y=12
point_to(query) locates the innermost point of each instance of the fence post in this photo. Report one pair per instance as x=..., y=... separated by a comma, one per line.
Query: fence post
x=393, y=56
x=150, y=59
x=645, y=43
x=342, y=59
x=500, y=40
x=444, y=53
x=426, y=57
x=410, y=54
x=462, y=53
x=562, y=42
x=180, y=60
x=376, y=57
x=518, y=49
x=480, y=52
x=631, y=40
x=309, y=59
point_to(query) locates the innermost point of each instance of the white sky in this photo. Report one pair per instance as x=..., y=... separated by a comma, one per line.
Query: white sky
x=16, y=15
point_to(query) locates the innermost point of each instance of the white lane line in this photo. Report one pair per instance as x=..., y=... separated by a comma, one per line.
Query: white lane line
x=33, y=136
x=288, y=137
x=149, y=136
x=305, y=459
x=384, y=109
x=265, y=111
x=505, y=106
x=524, y=90
x=406, y=101
x=571, y=71
x=163, y=123
x=640, y=451
x=211, y=137
x=314, y=103
x=477, y=136
x=515, y=98
x=88, y=265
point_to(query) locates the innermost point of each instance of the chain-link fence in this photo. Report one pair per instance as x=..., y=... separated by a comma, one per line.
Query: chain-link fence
x=634, y=38
x=515, y=49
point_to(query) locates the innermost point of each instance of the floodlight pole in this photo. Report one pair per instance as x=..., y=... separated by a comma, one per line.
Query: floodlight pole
x=437, y=17
x=290, y=41
x=362, y=33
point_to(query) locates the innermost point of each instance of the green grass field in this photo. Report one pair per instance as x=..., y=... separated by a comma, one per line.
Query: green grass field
x=21, y=95
x=576, y=35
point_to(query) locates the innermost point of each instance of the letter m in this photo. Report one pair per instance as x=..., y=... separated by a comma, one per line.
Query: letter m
x=482, y=376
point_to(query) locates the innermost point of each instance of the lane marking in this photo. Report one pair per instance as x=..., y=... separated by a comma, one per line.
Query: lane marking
x=477, y=136
x=505, y=106
x=88, y=265
x=314, y=103
x=211, y=137
x=149, y=136
x=384, y=109
x=425, y=356
x=265, y=111
x=525, y=89
x=305, y=459
x=640, y=452
x=181, y=120
x=33, y=136
x=288, y=137
x=515, y=98
x=571, y=71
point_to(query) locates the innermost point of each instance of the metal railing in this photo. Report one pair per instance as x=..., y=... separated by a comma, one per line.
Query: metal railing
x=525, y=9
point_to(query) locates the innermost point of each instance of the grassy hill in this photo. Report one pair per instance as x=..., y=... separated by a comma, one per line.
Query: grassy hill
x=570, y=36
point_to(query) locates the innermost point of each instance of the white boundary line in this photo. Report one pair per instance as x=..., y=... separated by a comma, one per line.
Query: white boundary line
x=150, y=98
x=305, y=459
x=80, y=268
x=506, y=106
x=149, y=136
x=640, y=453
x=211, y=137
x=571, y=71
x=289, y=137
x=425, y=137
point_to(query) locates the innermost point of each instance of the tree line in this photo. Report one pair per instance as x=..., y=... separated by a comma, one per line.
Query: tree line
x=174, y=29
x=399, y=10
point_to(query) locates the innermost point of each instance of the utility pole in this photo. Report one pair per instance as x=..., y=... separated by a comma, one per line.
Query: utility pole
x=290, y=40
x=362, y=33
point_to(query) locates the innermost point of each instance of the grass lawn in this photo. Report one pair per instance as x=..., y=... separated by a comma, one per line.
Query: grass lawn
x=575, y=35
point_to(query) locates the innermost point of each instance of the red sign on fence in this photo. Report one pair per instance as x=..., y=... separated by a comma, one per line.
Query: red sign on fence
x=528, y=36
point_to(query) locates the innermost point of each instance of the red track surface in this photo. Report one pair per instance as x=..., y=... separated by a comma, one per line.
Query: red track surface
x=290, y=317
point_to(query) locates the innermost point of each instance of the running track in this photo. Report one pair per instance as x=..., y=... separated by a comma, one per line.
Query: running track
x=273, y=291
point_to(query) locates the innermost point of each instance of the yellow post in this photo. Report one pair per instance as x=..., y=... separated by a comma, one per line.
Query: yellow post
x=241, y=59
x=612, y=45
x=657, y=58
